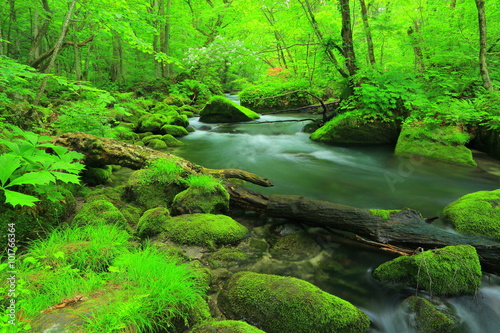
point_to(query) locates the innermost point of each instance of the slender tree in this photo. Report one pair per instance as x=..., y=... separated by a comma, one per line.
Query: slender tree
x=368, y=33
x=483, y=65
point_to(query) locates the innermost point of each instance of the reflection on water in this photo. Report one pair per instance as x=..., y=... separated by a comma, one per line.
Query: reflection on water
x=366, y=177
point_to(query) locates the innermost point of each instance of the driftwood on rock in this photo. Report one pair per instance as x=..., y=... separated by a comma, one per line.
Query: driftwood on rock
x=405, y=228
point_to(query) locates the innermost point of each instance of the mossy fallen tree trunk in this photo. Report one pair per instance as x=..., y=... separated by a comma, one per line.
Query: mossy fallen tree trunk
x=103, y=151
x=405, y=228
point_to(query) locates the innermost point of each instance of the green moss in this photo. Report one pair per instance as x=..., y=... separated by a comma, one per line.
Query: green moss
x=383, y=213
x=157, y=144
x=174, y=130
x=147, y=139
x=204, y=229
x=222, y=110
x=426, y=317
x=97, y=176
x=194, y=200
x=444, y=144
x=298, y=246
x=225, y=257
x=226, y=326
x=448, y=271
x=151, y=123
x=476, y=213
x=349, y=128
x=99, y=211
x=152, y=222
x=284, y=304
x=171, y=141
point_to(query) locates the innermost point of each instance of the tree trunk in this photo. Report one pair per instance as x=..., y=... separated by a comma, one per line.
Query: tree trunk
x=40, y=32
x=347, y=41
x=116, y=68
x=416, y=42
x=483, y=65
x=405, y=228
x=57, y=48
x=368, y=33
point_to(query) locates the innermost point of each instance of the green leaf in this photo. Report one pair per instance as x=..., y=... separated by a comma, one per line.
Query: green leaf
x=9, y=163
x=33, y=178
x=66, y=177
x=16, y=198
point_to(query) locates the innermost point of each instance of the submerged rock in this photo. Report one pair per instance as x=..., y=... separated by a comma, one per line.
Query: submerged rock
x=284, y=304
x=476, y=213
x=350, y=128
x=450, y=270
x=204, y=229
x=438, y=143
x=426, y=317
x=222, y=110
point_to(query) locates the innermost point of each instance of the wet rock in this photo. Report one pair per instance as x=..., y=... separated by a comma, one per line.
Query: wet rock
x=425, y=317
x=295, y=247
x=222, y=110
x=283, y=304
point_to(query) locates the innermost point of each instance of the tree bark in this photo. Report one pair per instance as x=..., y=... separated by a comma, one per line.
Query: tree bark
x=57, y=48
x=405, y=228
x=483, y=65
x=416, y=41
x=368, y=33
x=347, y=41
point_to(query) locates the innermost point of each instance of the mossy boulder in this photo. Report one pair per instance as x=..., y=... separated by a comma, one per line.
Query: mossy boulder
x=97, y=176
x=176, y=131
x=476, y=213
x=225, y=257
x=152, y=222
x=433, y=142
x=451, y=270
x=99, y=211
x=196, y=200
x=144, y=189
x=171, y=141
x=222, y=110
x=351, y=129
x=156, y=144
x=295, y=247
x=426, y=317
x=226, y=326
x=151, y=123
x=204, y=229
x=285, y=304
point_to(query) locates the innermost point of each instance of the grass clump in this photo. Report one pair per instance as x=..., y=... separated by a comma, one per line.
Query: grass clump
x=203, y=183
x=162, y=171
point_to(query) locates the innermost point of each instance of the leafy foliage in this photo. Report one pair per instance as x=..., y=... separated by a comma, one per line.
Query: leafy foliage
x=30, y=167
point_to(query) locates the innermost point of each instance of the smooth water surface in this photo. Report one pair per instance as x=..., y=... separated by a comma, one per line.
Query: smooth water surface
x=365, y=177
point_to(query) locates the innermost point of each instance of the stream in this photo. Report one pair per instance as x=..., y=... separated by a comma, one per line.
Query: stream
x=365, y=177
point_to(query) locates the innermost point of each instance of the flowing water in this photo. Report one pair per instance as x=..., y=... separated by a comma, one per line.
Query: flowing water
x=365, y=177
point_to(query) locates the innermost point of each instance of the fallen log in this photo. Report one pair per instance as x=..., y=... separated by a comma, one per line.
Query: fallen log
x=103, y=151
x=405, y=228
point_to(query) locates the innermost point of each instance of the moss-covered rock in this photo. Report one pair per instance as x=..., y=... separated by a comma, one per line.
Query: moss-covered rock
x=433, y=142
x=151, y=123
x=157, y=144
x=222, y=110
x=425, y=317
x=152, y=222
x=226, y=326
x=350, y=129
x=451, y=270
x=99, y=211
x=284, y=304
x=196, y=200
x=171, y=141
x=476, y=213
x=204, y=229
x=225, y=257
x=298, y=246
x=174, y=130
x=96, y=176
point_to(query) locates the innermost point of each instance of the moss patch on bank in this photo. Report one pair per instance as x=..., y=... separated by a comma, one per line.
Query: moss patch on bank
x=434, y=142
